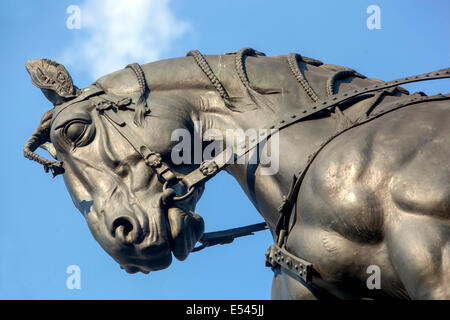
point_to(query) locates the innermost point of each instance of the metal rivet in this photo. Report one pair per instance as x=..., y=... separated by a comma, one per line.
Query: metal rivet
x=293, y=116
x=304, y=111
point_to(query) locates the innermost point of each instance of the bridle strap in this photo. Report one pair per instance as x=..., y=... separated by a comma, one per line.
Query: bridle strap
x=86, y=93
x=227, y=236
x=151, y=158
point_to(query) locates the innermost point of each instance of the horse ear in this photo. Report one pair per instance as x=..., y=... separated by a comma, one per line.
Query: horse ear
x=53, y=79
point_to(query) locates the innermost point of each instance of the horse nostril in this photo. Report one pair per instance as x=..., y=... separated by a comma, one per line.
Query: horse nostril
x=125, y=229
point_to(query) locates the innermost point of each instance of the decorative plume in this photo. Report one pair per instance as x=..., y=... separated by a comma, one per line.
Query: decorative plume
x=53, y=79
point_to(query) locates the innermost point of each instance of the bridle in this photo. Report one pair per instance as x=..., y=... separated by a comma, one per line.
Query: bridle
x=108, y=106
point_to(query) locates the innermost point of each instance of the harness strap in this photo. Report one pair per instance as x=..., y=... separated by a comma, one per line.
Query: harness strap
x=292, y=116
x=279, y=256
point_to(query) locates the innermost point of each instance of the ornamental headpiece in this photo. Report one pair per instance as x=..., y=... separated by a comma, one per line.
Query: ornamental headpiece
x=53, y=79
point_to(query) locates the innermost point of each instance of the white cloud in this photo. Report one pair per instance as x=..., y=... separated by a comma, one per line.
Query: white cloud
x=115, y=33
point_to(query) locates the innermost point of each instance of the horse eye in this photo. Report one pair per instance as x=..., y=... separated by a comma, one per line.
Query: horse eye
x=75, y=130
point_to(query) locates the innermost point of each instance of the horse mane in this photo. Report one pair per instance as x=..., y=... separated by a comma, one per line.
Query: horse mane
x=256, y=97
x=251, y=97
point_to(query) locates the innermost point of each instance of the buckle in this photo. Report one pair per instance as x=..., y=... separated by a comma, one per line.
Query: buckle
x=299, y=268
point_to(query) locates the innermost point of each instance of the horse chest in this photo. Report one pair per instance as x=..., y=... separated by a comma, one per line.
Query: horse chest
x=347, y=206
x=360, y=182
x=344, y=192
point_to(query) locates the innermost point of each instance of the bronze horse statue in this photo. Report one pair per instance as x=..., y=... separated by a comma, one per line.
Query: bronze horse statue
x=363, y=168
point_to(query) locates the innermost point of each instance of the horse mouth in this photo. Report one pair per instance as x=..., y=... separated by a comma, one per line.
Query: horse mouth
x=154, y=250
x=185, y=228
x=134, y=269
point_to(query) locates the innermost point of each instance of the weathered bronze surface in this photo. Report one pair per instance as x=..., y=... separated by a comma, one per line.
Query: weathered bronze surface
x=363, y=175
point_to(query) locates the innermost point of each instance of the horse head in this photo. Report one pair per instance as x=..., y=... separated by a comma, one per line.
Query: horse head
x=123, y=201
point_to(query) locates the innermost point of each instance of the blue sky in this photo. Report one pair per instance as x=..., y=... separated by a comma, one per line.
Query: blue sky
x=42, y=233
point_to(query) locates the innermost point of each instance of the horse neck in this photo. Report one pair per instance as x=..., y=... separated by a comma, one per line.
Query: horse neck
x=265, y=191
x=208, y=111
